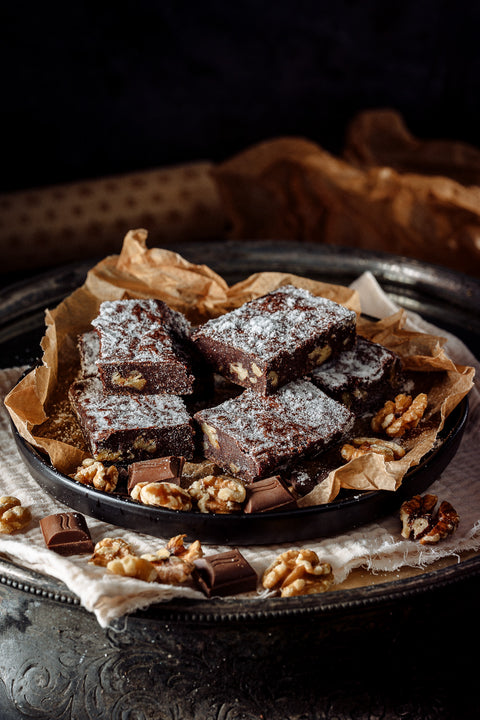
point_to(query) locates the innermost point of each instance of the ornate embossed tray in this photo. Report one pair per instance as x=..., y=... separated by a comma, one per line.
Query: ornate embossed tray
x=278, y=658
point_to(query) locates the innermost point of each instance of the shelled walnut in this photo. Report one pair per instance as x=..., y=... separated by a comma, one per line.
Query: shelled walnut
x=110, y=549
x=170, y=569
x=218, y=494
x=95, y=473
x=174, y=563
x=399, y=415
x=134, y=567
x=360, y=446
x=446, y=523
x=162, y=494
x=420, y=522
x=298, y=572
x=13, y=516
x=176, y=546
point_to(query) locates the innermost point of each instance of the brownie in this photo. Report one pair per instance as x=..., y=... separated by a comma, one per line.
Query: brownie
x=361, y=377
x=253, y=436
x=144, y=348
x=127, y=428
x=277, y=338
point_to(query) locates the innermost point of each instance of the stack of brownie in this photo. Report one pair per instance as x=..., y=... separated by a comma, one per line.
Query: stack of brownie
x=303, y=371
x=136, y=369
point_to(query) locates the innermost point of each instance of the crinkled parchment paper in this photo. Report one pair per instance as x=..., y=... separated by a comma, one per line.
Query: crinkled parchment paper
x=39, y=407
x=388, y=191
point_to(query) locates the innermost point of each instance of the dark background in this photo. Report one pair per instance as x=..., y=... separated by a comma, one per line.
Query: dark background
x=94, y=88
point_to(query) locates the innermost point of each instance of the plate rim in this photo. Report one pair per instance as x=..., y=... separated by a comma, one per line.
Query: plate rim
x=37, y=461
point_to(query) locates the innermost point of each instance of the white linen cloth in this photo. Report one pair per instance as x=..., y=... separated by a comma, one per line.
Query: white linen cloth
x=377, y=546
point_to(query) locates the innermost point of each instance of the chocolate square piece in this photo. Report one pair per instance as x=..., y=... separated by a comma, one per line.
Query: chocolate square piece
x=155, y=470
x=227, y=573
x=67, y=533
x=275, y=339
x=127, y=428
x=268, y=495
x=143, y=348
x=361, y=377
x=253, y=436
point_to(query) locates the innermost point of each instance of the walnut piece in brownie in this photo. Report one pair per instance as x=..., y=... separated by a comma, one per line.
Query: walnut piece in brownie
x=361, y=377
x=277, y=338
x=127, y=428
x=252, y=436
x=144, y=348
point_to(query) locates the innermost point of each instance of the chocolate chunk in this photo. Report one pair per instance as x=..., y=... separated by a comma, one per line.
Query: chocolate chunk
x=156, y=470
x=267, y=495
x=67, y=534
x=227, y=573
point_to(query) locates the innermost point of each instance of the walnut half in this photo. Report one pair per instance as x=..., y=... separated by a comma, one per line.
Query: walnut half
x=362, y=445
x=298, y=572
x=420, y=522
x=399, y=415
x=162, y=494
x=134, y=567
x=93, y=472
x=13, y=516
x=218, y=494
x=110, y=549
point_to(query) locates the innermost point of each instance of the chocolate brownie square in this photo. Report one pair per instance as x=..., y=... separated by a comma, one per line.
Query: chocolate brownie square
x=127, y=428
x=361, y=377
x=144, y=348
x=277, y=338
x=254, y=436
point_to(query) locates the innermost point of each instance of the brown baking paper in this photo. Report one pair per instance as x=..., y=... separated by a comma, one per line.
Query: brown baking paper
x=39, y=407
x=375, y=197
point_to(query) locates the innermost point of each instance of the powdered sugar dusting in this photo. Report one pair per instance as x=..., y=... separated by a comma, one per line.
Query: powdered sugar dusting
x=366, y=362
x=280, y=320
x=296, y=415
x=88, y=345
x=139, y=330
x=104, y=412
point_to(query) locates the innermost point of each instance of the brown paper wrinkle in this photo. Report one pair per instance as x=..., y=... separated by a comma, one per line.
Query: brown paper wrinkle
x=388, y=192
x=200, y=293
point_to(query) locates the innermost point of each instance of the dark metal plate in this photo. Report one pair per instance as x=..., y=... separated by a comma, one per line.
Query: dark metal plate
x=451, y=296
x=247, y=529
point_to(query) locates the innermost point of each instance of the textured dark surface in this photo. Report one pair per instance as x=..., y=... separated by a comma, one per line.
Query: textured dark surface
x=89, y=91
x=409, y=657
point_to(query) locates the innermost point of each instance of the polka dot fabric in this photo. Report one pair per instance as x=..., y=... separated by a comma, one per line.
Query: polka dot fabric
x=60, y=224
